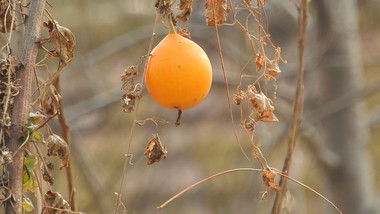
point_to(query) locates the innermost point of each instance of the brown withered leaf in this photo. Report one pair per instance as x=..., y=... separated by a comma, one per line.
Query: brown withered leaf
x=268, y=178
x=55, y=204
x=272, y=65
x=262, y=109
x=6, y=17
x=155, y=151
x=62, y=40
x=165, y=7
x=128, y=100
x=216, y=12
x=183, y=32
x=185, y=6
x=128, y=78
x=259, y=61
x=51, y=101
x=58, y=147
x=239, y=97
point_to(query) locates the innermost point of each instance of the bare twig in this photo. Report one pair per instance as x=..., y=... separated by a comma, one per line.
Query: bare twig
x=65, y=132
x=298, y=106
x=22, y=103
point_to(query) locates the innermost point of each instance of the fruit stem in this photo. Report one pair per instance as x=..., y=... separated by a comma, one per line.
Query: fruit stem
x=171, y=25
x=178, y=121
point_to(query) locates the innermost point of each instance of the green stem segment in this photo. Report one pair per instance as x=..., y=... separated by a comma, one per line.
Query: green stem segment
x=171, y=26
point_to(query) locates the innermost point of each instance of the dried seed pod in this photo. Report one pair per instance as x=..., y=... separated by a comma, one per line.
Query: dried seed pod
x=58, y=147
x=155, y=151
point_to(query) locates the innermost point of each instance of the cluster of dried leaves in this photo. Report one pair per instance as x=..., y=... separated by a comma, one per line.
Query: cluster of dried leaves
x=132, y=90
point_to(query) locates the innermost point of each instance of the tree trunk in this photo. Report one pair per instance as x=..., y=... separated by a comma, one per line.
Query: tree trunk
x=350, y=180
x=21, y=106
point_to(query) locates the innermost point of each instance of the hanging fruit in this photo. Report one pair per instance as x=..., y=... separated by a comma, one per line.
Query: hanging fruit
x=178, y=74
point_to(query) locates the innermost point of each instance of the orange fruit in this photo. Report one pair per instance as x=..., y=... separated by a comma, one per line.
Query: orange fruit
x=178, y=74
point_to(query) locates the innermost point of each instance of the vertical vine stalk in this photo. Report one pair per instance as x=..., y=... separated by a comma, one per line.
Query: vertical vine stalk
x=65, y=131
x=297, y=106
x=21, y=106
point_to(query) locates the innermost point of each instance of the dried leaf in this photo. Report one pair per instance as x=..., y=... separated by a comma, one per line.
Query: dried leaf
x=51, y=101
x=216, y=12
x=5, y=156
x=128, y=78
x=262, y=109
x=268, y=178
x=62, y=40
x=185, y=6
x=56, y=204
x=46, y=173
x=6, y=17
x=58, y=147
x=128, y=100
x=155, y=151
x=259, y=62
x=272, y=65
x=239, y=97
x=164, y=7
x=183, y=32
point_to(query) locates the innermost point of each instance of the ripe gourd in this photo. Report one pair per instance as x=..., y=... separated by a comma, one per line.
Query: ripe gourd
x=178, y=74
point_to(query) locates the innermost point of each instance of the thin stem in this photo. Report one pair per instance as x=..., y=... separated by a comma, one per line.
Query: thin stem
x=171, y=25
x=205, y=180
x=65, y=132
x=298, y=106
x=21, y=106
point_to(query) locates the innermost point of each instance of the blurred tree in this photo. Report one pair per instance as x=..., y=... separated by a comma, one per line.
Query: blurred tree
x=350, y=176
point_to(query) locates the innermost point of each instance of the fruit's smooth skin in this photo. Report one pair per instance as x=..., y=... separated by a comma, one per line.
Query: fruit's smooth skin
x=179, y=73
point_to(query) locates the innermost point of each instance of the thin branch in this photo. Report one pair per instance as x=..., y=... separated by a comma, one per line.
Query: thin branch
x=65, y=132
x=298, y=106
x=205, y=180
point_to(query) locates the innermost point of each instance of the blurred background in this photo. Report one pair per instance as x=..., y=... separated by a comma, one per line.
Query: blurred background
x=338, y=148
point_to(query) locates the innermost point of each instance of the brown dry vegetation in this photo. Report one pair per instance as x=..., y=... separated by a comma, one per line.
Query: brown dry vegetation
x=111, y=36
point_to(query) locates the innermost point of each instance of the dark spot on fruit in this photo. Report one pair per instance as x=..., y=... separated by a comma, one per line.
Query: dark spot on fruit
x=178, y=66
x=176, y=107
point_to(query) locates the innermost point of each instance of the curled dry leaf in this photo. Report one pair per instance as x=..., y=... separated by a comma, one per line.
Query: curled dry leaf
x=216, y=12
x=133, y=91
x=128, y=78
x=239, y=97
x=165, y=7
x=259, y=61
x=56, y=204
x=272, y=67
x=185, y=6
x=262, y=109
x=58, y=147
x=155, y=151
x=62, y=40
x=268, y=178
x=7, y=17
x=46, y=173
x=128, y=100
x=51, y=101
x=183, y=32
